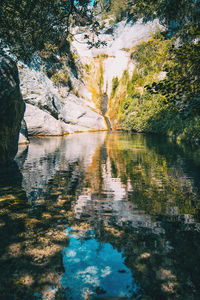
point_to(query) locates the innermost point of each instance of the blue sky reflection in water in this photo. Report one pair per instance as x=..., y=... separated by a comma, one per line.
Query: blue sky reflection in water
x=94, y=268
x=138, y=193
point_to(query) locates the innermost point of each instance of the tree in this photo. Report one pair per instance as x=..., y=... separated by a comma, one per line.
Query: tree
x=27, y=25
x=179, y=12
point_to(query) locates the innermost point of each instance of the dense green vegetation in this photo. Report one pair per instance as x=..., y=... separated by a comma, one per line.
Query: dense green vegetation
x=163, y=93
x=143, y=162
x=180, y=12
x=29, y=25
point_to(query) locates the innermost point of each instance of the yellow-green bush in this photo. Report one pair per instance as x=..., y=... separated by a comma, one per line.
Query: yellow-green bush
x=61, y=78
x=162, y=95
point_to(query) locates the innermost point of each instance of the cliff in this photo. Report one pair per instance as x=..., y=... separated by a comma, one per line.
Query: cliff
x=12, y=109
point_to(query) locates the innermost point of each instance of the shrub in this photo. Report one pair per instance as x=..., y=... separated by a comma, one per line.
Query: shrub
x=61, y=79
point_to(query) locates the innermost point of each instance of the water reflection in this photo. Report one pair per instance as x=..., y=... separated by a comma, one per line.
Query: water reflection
x=138, y=195
x=49, y=157
x=94, y=269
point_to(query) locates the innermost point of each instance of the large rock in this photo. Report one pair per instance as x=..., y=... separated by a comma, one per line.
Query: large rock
x=77, y=111
x=37, y=89
x=11, y=109
x=23, y=135
x=50, y=112
x=40, y=122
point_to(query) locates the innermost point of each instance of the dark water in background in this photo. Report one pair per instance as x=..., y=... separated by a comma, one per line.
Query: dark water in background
x=101, y=216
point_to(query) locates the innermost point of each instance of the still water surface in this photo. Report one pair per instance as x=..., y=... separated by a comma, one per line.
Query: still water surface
x=101, y=216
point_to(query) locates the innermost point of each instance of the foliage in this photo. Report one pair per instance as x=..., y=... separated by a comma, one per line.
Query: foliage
x=171, y=13
x=87, y=68
x=150, y=56
x=162, y=95
x=117, y=94
x=27, y=25
x=115, y=83
x=61, y=78
x=119, y=9
x=103, y=55
x=181, y=85
x=100, y=78
x=95, y=79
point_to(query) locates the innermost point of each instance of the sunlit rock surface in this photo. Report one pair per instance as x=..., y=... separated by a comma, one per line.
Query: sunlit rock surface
x=23, y=135
x=40, y=122
x=53, y=111
x=37, y=89
x=77, y=113
x=11, y=109
x=124, y=35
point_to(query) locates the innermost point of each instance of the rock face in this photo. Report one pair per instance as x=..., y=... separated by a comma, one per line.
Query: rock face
x=76, y=118
x=53, y=111
x=40, y=122
x=37, y=89
x=119, y=38
x=77, y=112
x=23, y=135
x=57, y=108
x=11, y=109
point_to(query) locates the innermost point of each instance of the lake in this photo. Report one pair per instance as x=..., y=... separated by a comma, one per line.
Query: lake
x=101, y=216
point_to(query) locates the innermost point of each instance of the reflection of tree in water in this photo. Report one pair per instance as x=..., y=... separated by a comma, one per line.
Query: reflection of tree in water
x=94, y=177
x=153, y=222
x=163, y=252
x=33, y=217
x=157, y=174
x=165, y=265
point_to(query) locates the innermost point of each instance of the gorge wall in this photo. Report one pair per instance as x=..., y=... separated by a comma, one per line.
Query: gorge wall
x=70, y=93
x=54, y=109
x=12, y=109
x=119, y=38
x=104, y=66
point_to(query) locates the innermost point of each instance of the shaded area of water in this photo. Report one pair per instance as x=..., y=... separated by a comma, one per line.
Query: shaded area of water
x=132, y=198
